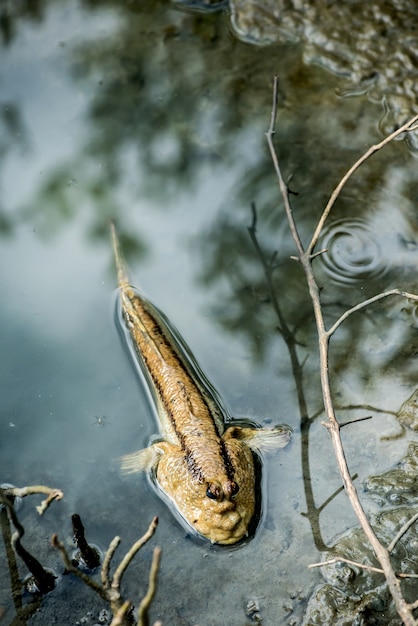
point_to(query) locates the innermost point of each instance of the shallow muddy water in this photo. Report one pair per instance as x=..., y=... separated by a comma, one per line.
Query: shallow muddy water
x=154, y=114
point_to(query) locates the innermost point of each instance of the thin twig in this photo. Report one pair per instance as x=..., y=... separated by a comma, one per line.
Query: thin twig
x=401, y=532
x=104, y=573
x=365, y=303
x=355, y=420
x=408, y=126
x=21, y=492
x=120, y=570
x=369, y=568
x=338, y=559
x=283, y=187
x=143, y=619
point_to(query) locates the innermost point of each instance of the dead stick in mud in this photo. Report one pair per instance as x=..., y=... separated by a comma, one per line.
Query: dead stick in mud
x=72, y=569
x=109, y=588
x=305, y=258
x=90, y=555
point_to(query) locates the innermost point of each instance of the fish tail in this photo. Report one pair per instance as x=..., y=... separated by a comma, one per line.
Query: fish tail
x=127, y=293
x=122, y=275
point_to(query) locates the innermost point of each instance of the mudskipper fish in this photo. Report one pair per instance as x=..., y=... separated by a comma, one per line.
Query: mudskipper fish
x=203, y=464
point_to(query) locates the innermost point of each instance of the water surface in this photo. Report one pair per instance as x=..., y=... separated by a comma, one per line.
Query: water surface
x=156, y=117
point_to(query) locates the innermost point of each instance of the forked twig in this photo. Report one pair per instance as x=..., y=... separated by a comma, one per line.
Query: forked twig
x=305, y=257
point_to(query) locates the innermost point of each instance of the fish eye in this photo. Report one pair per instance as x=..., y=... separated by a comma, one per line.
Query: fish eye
x=234, y=488
x=213, y=491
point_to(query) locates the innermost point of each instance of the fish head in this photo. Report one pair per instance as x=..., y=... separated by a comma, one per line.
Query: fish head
x=219, y=508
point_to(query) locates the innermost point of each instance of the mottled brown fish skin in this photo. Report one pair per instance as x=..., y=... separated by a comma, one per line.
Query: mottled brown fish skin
x=184, y=404
x=208, y=474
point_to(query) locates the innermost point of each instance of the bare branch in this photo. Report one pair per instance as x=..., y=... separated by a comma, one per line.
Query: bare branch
x=382, y=554
x=366, y=407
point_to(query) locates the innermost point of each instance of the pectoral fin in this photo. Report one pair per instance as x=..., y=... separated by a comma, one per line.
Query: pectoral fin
x=261, y=439
x=138, y=461
x=145, y=459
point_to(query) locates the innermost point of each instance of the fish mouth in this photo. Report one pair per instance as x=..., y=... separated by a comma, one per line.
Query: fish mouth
x=226, y=529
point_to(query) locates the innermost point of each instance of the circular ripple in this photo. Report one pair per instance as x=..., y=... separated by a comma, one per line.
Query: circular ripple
x=353, y=253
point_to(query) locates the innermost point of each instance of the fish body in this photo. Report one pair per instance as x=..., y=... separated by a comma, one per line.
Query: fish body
x=206, y=468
